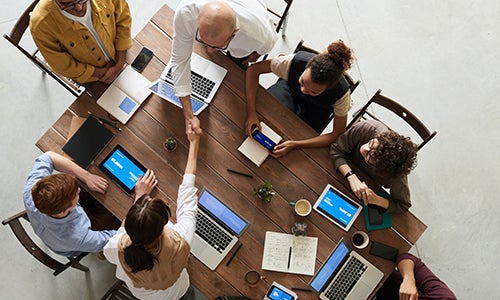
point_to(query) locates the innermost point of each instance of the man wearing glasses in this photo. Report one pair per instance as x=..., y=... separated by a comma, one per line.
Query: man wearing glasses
x=242, y=28
x=381, y=153
x=81, y=39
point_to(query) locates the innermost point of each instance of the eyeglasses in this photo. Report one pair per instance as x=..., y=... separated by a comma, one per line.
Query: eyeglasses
x=198, y=39
x=371, y=150
x=69, y=6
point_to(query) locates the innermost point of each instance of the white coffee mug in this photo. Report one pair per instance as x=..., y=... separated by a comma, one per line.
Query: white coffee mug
x=360, y=239
x=303, y=207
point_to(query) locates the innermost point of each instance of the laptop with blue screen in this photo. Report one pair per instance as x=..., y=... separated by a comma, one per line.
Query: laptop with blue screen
x=345, y=275
x=218, y=228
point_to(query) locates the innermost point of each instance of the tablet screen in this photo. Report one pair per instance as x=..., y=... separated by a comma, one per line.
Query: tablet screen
x=122, y=168
x=337, y=207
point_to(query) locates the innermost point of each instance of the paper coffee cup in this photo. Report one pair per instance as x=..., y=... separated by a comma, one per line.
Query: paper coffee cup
x=360, y=239
x=303, y=207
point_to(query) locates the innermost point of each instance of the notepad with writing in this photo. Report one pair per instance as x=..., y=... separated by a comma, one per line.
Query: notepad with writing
x=255, y=151
x=288, y=253
x=124, y=96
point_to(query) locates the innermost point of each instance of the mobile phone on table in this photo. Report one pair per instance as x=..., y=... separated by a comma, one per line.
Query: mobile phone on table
x=263, y=139
x=142, y=59
x=375, y=214
x=384, y=251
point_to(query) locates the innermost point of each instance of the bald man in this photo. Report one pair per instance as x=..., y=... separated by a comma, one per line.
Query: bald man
x=243, y=28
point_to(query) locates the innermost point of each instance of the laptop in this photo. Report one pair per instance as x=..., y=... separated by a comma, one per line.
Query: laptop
x=206, y=78
x=345, y=275
x=218, y=228
x=337, y=207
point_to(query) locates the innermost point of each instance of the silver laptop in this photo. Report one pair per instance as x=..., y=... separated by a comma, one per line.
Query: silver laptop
x=206, y=78
x=345, y=275
x=217, y=230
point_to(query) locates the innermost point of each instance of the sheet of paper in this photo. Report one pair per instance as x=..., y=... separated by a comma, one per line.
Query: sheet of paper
x=280, y=247
x=255, y=151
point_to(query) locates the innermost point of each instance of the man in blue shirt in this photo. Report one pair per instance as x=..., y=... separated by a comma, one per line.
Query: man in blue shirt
x=51, y=201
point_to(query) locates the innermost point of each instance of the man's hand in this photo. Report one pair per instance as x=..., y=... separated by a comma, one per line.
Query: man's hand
x=252, y=120
x=96, y=183
x=282, y=149
x=145, y=184
x=193, y=125
x=192, y=136
x=408, y=289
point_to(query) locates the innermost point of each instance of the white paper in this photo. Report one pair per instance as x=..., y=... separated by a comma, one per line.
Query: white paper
x=253, y=150
x=280, y=247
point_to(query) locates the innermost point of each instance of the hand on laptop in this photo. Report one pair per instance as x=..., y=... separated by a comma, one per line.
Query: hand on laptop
x=145, y=184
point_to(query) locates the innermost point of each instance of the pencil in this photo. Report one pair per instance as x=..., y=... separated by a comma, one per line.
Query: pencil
x=234, y=254
x=240, y=173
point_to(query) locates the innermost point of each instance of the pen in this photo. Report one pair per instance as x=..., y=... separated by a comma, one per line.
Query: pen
x=289, y=256
x=234, y=254
x=104, y=120
x=301, y=289
x=88, y=93
x=240, y=173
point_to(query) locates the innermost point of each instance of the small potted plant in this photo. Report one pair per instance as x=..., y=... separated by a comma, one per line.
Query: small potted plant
x=299, y=228
x=264, y=191
x=170, y=144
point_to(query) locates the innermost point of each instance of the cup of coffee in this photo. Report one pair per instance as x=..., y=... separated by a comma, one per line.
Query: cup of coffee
x=360, y=239
x=302, y=207
x=252, y=277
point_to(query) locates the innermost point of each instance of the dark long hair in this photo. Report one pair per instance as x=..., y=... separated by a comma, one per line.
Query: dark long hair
x=144, y=224
x=327, y=67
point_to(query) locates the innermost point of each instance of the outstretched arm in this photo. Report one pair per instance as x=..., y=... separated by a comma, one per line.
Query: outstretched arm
x=64, y=165
x=408, y=289
x=251, y=85
x=194, y=140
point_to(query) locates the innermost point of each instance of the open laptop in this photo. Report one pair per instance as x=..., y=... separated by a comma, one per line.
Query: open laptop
x=217, y=230
x=206, y=78
x=345, y=275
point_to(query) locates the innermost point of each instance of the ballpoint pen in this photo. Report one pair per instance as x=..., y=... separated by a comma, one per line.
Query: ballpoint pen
x=234, y=254
x=240, y=173
x=104, y=120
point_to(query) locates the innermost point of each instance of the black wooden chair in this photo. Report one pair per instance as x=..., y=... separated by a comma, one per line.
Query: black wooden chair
x=119, y=291
x=22, y=236
x=281, y=18
x=407, y=116
x=15, y=37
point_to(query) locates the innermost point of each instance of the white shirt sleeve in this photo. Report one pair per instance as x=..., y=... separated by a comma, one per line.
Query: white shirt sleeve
x=280, y=65
x=187, y=205
x=342, y=106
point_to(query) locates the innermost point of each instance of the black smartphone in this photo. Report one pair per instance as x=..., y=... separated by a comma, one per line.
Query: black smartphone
x=384, y=251
x=142, y=59
x=263, y=139
x=375, y=214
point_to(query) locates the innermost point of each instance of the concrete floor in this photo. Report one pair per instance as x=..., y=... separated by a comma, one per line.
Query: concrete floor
x=438, y=58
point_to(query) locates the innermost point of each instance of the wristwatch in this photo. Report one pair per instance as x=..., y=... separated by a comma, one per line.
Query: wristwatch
x=348, y=174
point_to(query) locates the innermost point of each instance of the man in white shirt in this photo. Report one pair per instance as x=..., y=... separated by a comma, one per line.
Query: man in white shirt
x=243, y=28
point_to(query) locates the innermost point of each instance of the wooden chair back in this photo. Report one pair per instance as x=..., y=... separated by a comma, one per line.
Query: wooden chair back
x=281, y=17
x=407, y=116
x=22, y=236
x=15, y=36
x=119, y=291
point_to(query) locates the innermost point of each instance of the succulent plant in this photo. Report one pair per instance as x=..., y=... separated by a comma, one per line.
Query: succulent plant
x=170, y=143
x=264, y=191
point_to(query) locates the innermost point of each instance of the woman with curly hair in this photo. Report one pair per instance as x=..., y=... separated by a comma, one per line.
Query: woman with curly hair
x=312, y=86
x=381, y=153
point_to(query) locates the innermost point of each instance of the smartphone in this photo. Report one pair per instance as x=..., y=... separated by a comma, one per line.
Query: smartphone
x=142, y=59
x=278, y=292
x=384, y=251
x=263, y=139
x=375, y=214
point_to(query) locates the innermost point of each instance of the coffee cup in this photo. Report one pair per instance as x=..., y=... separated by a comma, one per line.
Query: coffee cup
x=252, y=277
x=302, y=207
x=360, y=239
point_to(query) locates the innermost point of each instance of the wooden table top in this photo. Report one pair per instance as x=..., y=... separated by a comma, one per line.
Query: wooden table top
x=300, y=174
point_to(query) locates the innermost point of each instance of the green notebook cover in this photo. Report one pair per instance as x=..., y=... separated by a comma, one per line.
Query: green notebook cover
x=386, y=217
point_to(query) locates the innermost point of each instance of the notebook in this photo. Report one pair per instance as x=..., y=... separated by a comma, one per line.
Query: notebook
x=87, y=142
x=256, y=152
x=337, y=207
x=124, y=96
x=206, y=78
x=218, y=228
x=345, y=275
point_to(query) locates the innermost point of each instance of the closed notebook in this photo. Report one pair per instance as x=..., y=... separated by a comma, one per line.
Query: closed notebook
x=87, y=142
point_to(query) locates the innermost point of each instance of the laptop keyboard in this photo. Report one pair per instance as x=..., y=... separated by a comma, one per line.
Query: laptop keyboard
x=201, y=85
x=211, y=233
x=347, y=278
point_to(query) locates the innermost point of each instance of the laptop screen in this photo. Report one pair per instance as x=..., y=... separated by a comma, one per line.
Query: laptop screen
x=219, y=210
x=323, y=276
x=337, y=207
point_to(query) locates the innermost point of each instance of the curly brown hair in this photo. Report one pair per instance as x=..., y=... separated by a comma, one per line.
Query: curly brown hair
x=395, y=155
x=327, y=67
x=54, y=194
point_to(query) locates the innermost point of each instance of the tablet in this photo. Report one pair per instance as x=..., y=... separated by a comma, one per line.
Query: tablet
x=122, y=168
x=337, y=207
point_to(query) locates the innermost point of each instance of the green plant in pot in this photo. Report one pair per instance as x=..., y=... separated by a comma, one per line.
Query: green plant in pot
x=170, y=144
x=264, y=191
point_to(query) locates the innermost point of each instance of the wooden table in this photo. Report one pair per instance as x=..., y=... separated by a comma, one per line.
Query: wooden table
x=300, y=174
